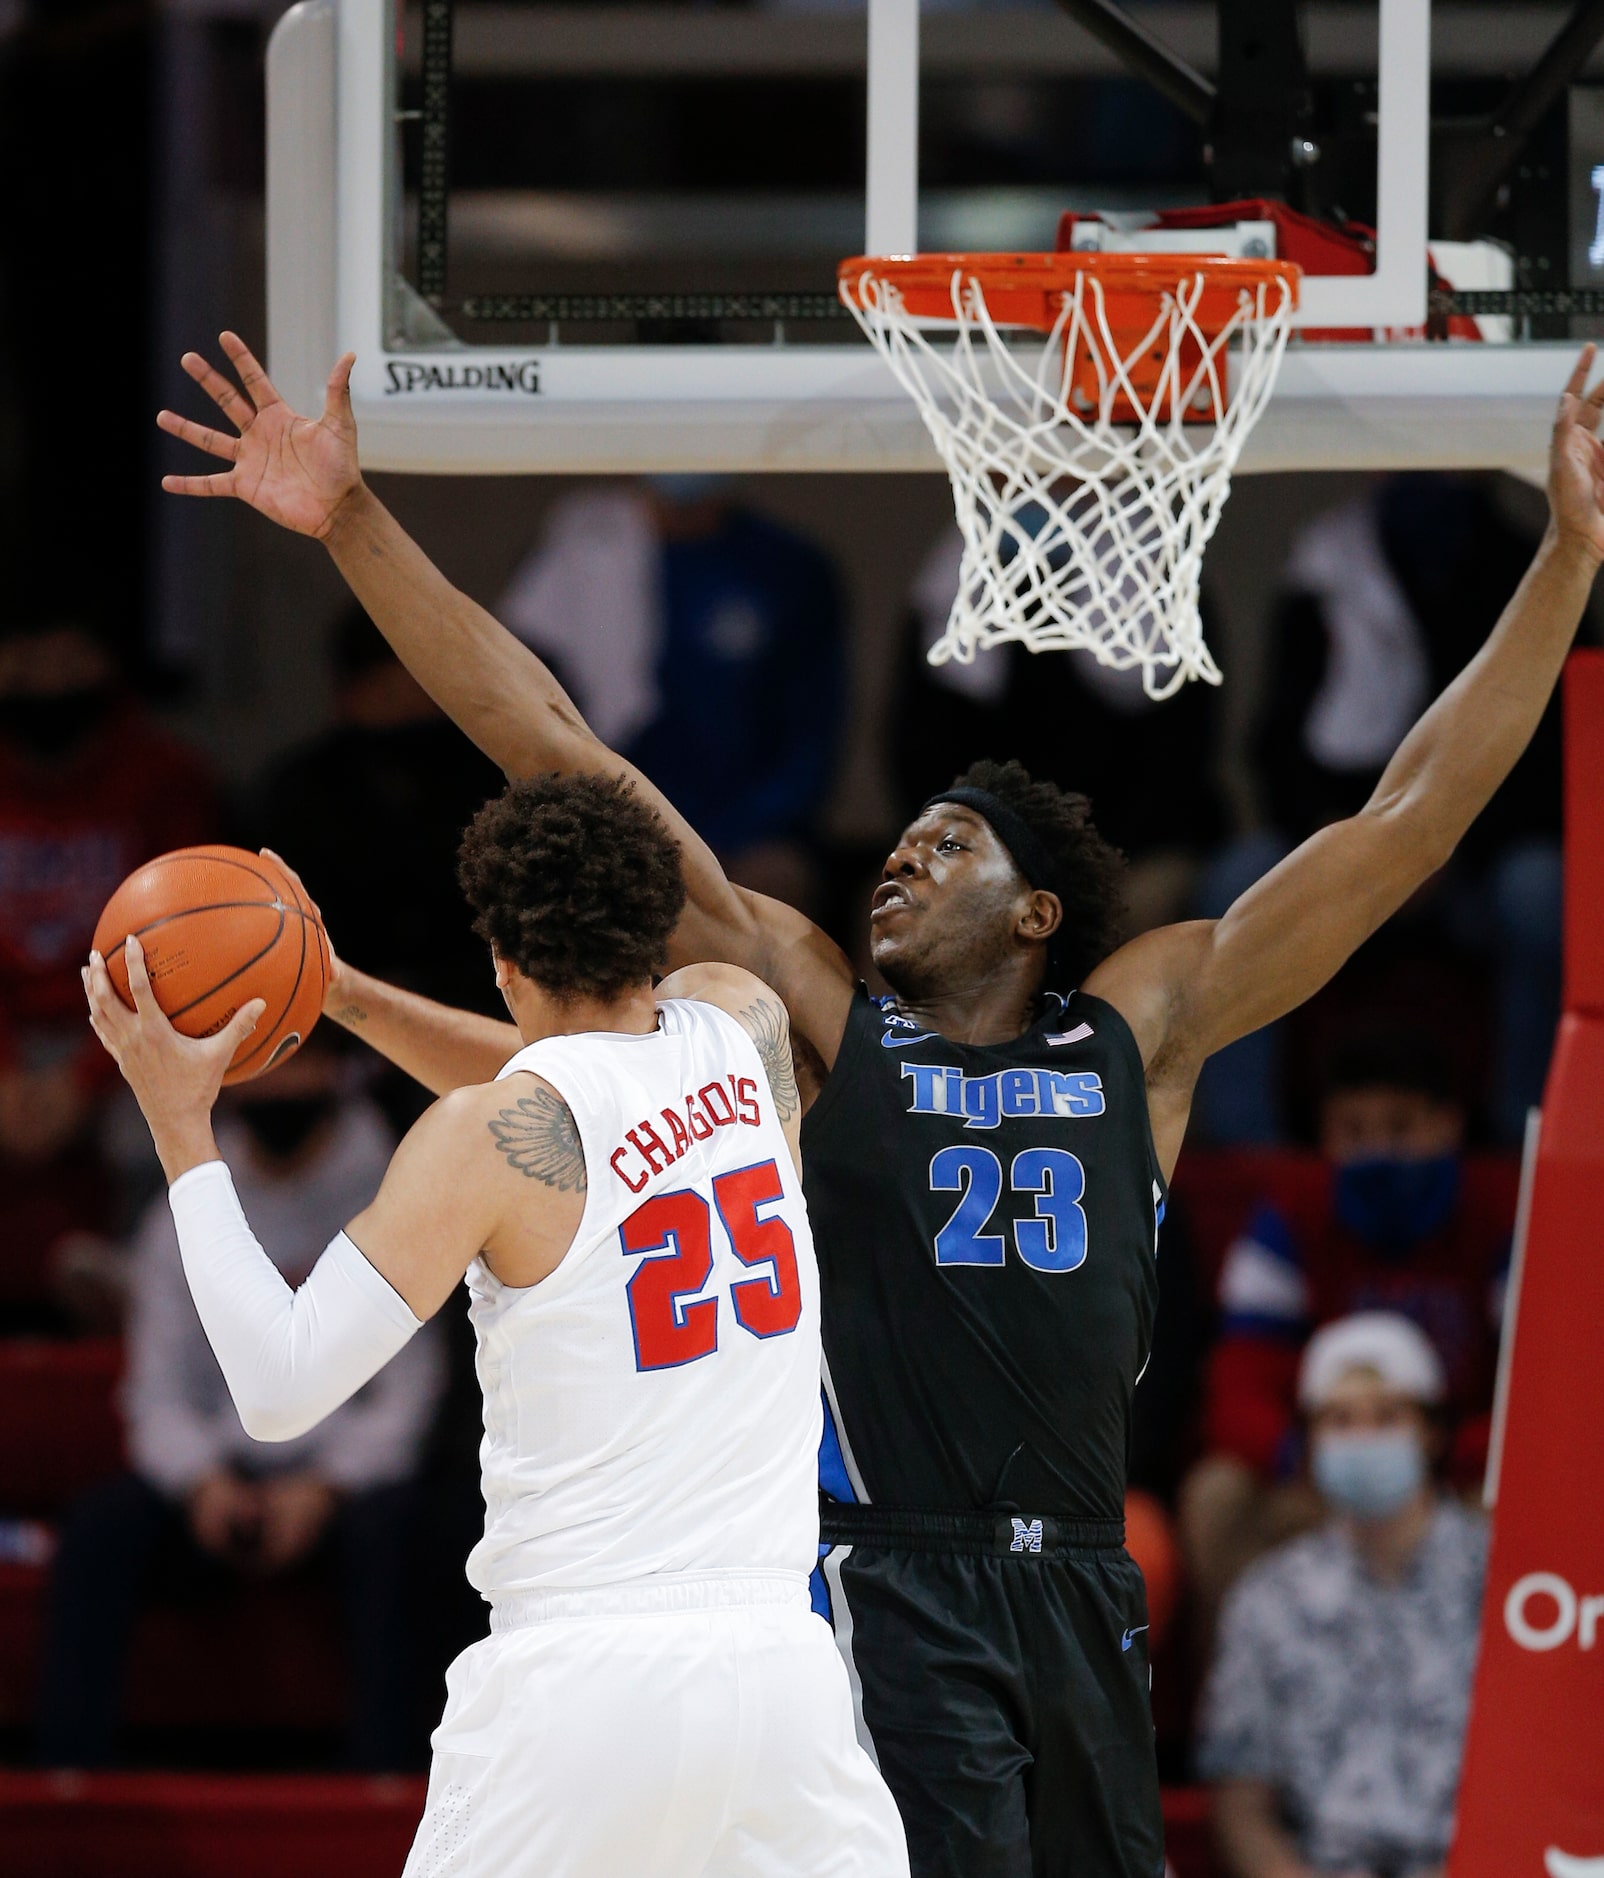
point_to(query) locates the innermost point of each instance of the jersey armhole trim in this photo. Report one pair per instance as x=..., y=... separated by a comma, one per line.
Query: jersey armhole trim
x=1127, y=1036
x=861, y=1014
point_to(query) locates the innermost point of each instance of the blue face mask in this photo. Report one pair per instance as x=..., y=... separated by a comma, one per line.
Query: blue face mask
x=1369, y=1475
x=1394, y=1204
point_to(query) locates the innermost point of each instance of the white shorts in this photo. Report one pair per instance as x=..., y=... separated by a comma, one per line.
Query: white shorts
x=701, y=1729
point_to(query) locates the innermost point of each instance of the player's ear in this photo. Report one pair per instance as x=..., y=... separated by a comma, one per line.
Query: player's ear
x=503, y=971
x=1043, y=915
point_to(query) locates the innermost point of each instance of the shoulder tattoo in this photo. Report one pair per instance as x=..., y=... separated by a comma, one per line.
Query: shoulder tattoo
x=540, y=1137
x=765, y=1023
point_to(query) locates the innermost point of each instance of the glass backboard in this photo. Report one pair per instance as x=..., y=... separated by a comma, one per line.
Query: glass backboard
x=604, y=237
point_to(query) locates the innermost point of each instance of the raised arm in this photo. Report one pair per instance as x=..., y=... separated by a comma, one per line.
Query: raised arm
x=437, y=1045
x=1189, y=990
x=292, y=1355
x=761, y=1014
x=304, y=474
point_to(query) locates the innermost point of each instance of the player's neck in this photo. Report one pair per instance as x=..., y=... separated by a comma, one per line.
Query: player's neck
x=994, y=1011
x=633, y=1012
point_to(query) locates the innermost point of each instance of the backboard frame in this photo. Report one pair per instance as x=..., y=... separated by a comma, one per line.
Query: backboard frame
x=432, y=403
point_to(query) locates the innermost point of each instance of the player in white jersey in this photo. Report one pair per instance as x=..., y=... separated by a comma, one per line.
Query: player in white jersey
x=656, y=1697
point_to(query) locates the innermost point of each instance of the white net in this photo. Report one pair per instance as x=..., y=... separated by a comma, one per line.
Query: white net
x=1085, y=492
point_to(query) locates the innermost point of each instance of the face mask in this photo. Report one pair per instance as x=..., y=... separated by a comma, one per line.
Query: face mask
x=1370, y=1476
x=1394, y=1204
x=281, y=1128
x=50, y=726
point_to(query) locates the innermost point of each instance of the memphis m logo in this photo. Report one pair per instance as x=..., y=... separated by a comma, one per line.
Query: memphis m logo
x=983, y=1101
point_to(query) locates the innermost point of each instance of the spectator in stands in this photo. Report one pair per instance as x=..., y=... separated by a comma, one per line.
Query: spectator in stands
x=1383, y=603
x=1334, y=1716
x=1149, y=768
x=1397, y=1220
x=203, y=1501
x=372, y=811
x=89, y=788
x=704, y=642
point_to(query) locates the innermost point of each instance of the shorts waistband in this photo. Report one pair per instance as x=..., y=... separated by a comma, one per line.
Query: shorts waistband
x=973, y=1535
x=647, y=1598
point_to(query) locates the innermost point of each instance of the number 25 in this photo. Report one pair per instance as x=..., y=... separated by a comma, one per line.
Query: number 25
x=672, y=1324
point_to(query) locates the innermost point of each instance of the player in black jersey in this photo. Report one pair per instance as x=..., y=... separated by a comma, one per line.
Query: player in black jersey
x=985, y=1152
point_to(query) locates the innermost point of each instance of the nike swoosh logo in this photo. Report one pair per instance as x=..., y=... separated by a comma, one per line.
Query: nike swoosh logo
x=1130, y=1636
x=888, y=1042
x=1560, y=1864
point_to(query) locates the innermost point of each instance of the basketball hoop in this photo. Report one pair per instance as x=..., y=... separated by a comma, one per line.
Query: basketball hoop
x=1088, y=476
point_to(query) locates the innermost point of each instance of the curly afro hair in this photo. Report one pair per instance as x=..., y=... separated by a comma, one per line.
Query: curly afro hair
x=576, y=881
x=1091, y=871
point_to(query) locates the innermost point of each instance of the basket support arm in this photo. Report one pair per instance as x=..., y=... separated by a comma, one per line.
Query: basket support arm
x=1492, y=147
x=1143, y=53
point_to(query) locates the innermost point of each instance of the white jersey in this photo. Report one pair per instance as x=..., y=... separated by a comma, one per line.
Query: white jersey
x=652, y=1407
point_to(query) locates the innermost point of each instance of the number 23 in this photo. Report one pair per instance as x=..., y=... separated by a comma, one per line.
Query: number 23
x=1053, y=1239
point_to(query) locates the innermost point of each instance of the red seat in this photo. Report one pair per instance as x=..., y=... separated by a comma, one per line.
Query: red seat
x=22, y=1595
x=269, y=1656
x=59, y=1427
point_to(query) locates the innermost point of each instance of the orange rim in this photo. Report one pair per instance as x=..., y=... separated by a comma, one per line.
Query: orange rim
x=1029, y=289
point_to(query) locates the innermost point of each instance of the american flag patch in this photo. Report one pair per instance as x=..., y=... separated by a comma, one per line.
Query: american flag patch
x=1077, y=1035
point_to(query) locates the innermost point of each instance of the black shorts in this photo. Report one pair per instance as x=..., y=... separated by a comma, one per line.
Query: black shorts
x=1006, y=1696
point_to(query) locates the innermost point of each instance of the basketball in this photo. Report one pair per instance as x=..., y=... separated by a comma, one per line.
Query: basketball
x=221, y=926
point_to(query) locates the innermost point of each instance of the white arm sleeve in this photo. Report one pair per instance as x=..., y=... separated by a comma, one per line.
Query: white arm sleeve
x=289, y=1357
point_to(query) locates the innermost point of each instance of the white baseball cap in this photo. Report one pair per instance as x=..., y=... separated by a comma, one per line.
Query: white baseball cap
x=1397, y=1349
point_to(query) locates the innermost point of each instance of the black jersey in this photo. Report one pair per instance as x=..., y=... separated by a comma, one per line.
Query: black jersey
x=986, y=1224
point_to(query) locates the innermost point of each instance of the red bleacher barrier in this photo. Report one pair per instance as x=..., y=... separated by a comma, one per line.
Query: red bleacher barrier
x=201, y=1826
x=267, y=1826
x=1532, y=1796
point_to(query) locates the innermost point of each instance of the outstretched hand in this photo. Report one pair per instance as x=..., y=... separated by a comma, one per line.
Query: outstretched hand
x=297, y=471
x=175, y=1078
x=1576, y=460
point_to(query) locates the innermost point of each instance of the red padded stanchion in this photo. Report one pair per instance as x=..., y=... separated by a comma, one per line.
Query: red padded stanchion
x=1584, y=833
x=1532, y=1796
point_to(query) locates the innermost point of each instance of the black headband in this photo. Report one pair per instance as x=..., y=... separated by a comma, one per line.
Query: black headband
x=1031, y=854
